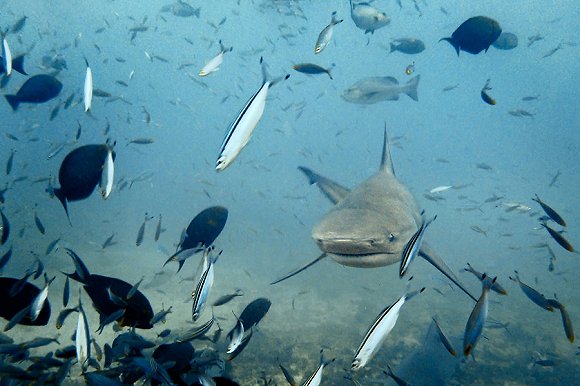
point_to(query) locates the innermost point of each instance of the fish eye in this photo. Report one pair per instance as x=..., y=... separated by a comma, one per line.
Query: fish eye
x=391, y=237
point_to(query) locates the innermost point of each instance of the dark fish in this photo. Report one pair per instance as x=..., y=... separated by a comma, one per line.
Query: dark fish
x=399, y=381
x=182, y=9
x=201, y=232
x=158, y=229
x=532, y=294
x=227, y=298
x=164, y=334
x=141, y=232
x=37, y=89
x=5, y=259
x=506, y=41
x=79, y=131
x=4, y=228
x=109, y=241
x=310, y=68
x=550, y=212
x=54, y=112
x=66, y=292
x=254, y=312
x=10, y=162
x=474, y=35
x=141, y=141
x=566, y=321
x=409, y=46
x=69, y=101
x=10, y=305
x=444, y=339
x=138, y=311
x=559, y=239
x=494, y=287
x=80, y=172
x=101, y=93
x=180, y=354
x=39, y=224
x=485, y=96
x=16, y=27
x=289, y=378
x=105, y=321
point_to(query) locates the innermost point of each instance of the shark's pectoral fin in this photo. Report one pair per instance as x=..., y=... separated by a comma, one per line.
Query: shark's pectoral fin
x=428, y=254
x=298, y=270
x=332, y=190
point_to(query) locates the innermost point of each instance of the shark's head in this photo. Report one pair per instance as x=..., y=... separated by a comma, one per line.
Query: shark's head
x=361, y=238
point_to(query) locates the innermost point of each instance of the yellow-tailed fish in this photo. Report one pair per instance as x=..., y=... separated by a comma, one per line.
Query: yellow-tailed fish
x=476, y=321
x=485, y=96
x=550, y=212
x=410, y=69
x=214, y=63
x=532, y=294
x=559, y=239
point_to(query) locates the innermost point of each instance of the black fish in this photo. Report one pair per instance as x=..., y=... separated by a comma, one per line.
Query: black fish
x=39, y=224
x=550, y=212
x=19, y=24
x=506, y=41
x=4, y=228
x=10, y=162
x=138, y=311
x=17, y=65
x=80, y=172
x=475, y=35
x=254, y=312
x=11, y=305
x=179, y=353
x=37, y=89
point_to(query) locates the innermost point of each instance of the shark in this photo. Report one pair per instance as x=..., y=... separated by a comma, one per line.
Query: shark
x=369, y=226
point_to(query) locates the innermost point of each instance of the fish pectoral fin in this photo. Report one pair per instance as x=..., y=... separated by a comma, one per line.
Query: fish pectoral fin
x=427, y=253
x=298, y=270
x=332, y=190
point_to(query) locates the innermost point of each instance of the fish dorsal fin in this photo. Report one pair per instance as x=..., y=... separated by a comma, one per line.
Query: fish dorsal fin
x=386, y=160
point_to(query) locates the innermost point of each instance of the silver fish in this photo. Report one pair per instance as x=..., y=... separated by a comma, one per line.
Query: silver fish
x=476, y=321
x=38, y=302
x=380, y=88
x=88, y=88
x=496, y=287
x=240, y=131
x=413, y=246
x=202, y=288
x=235, y=337
x=367, y=17
x=63, y=315
x=83, y=338
x=214, y=63
x=107, y=175
x=378, y=331
x=532, y=294
x=444, y=339
x=326, y=34
x=316, y=377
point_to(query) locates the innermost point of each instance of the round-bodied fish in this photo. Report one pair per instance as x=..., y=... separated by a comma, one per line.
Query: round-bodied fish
x=378, y=89
x=37, y=89
x=410, y=46
x=506, y=41
x=367, y=17
x=475, y=35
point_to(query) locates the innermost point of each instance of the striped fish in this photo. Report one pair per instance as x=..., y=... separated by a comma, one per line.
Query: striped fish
x=326, y=34
x=378, y=331
x=413, y=246
x=240, y=131
x=88, y=90
x=7, y=56
x=214, y=63
x=201, y=291
x=476, y=321
x=316, y=377
x=83, y=338
x=107, y=175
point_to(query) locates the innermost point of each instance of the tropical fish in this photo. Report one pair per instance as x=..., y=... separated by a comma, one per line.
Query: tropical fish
x=566, y=321
x=240, y=131
x=475, y=35
x=485, y=96
x=444, y=339
x=12, y=304
x=38, y=303
x=214, y=63
x=550, y=212
x=226, y=298
x=413, y=246
x=377, y=89
x=325, y=35
x=378, y=331
x=410, y=69
x=36, y=89
x=495, y=286
x=203, y=286
x=367, y=17
x=477, y=318
x=235, y=337
x=254, y=312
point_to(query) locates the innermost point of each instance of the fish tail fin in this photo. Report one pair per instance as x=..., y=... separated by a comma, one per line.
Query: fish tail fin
x=281, y=78
x=393, y=47
x=197, y=12
x=265, y=74
x=328, y=71
x=13, y=100
x=18, y=64
x=452, y=42
x=62, y=198
x=386, y=160
x=334, y=20
x=411, y=89
x=180, y=262
x=81, y=273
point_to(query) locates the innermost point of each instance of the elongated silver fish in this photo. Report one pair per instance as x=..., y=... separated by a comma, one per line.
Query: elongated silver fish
x=240, y=131
x=214, y=63
x=38, y=302
x=160, y=316
x=88, y=89
x=550, y=212
x=476, y=321
x=326, y=34
x=378, y=331
x=235, y=336
x=83, y=338
x=413, y=246
x=107, y=175
x=316, y=377
x=532, y=294
x=444, y=339
x=7, y=56
x=202, y=288
x=496, y=287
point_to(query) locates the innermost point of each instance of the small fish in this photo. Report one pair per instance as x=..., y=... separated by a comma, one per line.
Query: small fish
x=4, y=228
x=485, y=96
x=79, y=131
x=410, y=69
x=68, y=101
x=495, y=287
x=444, y=339
x=326, y=34
x=227, y=298
x=476, y=228
x=109, y=241
x=66, y=292
x=134, y=289
x=310, y=68
x=202, y=288
x=158, y=229
x=566, y=321
x=6, y=56
x=116, y=315
x=39, y=224
x=477, y=318
x=54, y=112
x=552, y=51
x=38, y=302
x=160, y=316
x=107, y=175
x=378, y=331
x=550, y=212
x=316, y=377
x=449, y=88
x=559, y=239
x=115, y=298
x=531, y=98
x=235, y=336
x=82, y=338
x=554, y=179
x=10, y=162
x=141, y=231
x=412, y=247
x=63, y=315
x=289, y=378
x=17, y=318
x=532, y=294
x=88, y=89
x=5, y=259
x=240, y=131
x=440, y=189
x=141, y=141
x=214, y=63
x=19, y=24
x=164, y=334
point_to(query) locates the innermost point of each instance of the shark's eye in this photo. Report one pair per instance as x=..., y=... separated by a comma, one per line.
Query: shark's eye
x=391, y=237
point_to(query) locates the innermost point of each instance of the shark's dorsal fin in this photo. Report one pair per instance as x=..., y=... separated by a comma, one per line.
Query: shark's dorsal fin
x=386, y=160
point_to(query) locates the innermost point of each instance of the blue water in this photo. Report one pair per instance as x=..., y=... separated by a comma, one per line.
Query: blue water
x=272, y=209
